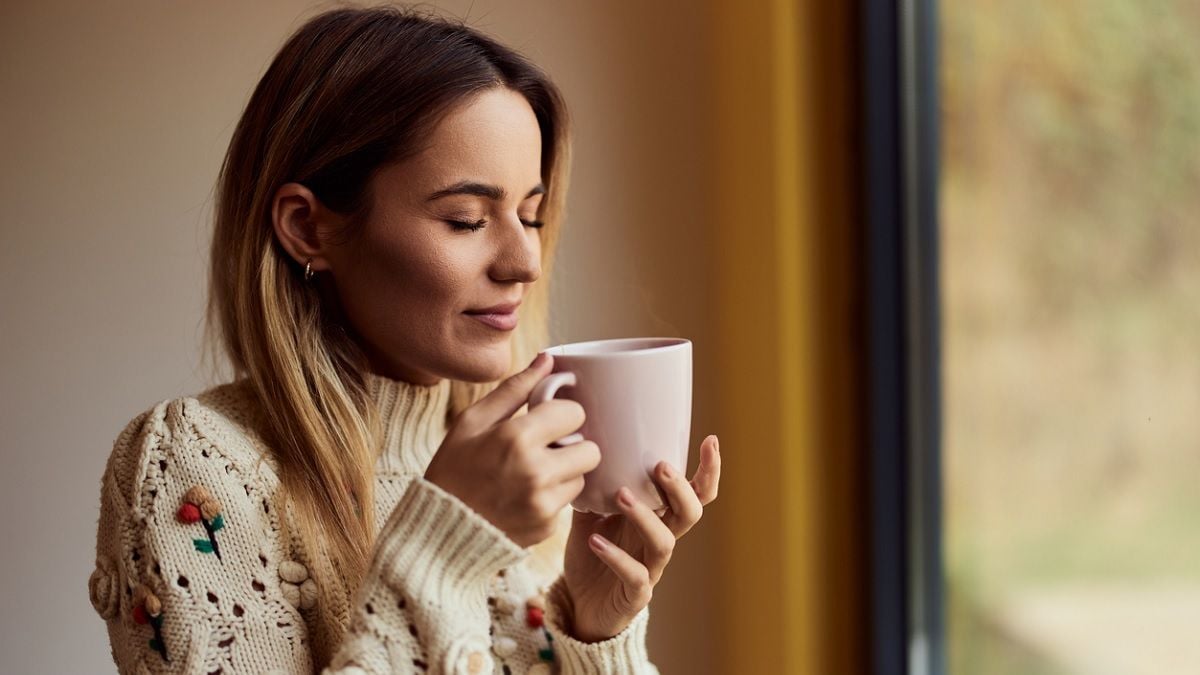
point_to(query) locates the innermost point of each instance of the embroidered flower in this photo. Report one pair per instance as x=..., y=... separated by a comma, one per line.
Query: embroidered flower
x=200, y=506
x=147, y=609
x=468, y=655
x=535, y=617
x=102, y=588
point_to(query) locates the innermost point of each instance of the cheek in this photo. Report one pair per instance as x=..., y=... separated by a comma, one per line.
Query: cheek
x=402, y=285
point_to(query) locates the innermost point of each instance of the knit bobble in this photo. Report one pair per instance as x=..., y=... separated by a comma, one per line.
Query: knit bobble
x=298, y=589
x=197, y=495
x=292, y=571
x=210, y=508
x=538, y=601
x=153, y=605
x=139, y=595
x=188, y=513
x=308, y=594
x=102, y=589
x=506, y=604
x=139, y=615
x=504, y=646
x=476, y=662
x=534, y=617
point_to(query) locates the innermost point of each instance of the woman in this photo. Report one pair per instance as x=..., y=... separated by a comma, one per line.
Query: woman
x=393, y=191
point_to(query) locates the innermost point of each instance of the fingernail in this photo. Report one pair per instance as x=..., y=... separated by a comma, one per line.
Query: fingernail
x=597, y=541
x=667, y=471
x=716, y=444
x=538, y=360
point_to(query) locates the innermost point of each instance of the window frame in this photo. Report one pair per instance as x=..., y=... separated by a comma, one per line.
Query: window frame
x=900, y=134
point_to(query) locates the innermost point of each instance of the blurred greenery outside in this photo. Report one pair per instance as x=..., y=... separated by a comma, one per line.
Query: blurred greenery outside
x=1070, y=251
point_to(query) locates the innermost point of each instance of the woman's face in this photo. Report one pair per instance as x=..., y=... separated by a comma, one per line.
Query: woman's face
x=407, y=281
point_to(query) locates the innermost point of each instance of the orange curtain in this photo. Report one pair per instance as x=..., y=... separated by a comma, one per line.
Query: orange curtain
x=789, y=338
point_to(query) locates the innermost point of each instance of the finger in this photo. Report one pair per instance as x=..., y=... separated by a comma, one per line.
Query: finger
x=503, y=401
x=708, y=474
x=634, y=576
x=685, y=508
x=572, y=462
x=567, y=491
x=657, y=538
x=549, y=421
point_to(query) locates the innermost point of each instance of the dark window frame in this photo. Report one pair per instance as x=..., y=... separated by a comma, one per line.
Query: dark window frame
x=900, y=183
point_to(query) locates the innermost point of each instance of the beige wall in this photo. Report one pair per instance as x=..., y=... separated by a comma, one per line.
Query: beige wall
x=114, y=121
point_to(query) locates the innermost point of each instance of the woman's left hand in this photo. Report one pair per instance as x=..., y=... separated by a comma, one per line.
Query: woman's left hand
x=613, y=562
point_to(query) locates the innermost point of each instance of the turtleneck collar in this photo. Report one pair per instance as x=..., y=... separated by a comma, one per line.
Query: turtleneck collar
x=414, y=422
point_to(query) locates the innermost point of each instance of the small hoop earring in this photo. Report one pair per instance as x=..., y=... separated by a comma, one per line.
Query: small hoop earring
x=308, y=270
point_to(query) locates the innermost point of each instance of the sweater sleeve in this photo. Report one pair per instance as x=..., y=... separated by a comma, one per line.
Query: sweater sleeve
x=187, y=557
x=193, y=576
x=429, y=578
x=622, y=654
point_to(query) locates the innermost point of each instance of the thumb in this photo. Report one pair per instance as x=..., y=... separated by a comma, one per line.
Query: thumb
x=500, y=403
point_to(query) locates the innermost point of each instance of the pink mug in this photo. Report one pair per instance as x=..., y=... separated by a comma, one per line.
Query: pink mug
x=637, y=394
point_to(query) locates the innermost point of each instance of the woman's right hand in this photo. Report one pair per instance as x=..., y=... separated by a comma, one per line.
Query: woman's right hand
x=503, y=468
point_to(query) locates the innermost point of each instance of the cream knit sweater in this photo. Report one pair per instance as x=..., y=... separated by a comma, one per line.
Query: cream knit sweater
x=196, y=572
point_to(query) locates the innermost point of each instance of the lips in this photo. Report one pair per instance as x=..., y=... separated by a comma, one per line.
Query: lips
x=506, y=308
x=501, y=317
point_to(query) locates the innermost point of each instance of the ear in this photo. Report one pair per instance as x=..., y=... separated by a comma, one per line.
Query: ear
x=300, y=220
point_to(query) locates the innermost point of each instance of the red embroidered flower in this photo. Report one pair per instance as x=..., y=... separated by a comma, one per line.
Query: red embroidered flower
x=189, y=513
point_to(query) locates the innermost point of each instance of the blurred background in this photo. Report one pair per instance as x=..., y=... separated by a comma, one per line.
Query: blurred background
x=1071, y=295
x=729, y=186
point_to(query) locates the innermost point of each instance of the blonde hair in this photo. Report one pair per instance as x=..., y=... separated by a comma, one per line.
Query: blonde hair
x=352, y=90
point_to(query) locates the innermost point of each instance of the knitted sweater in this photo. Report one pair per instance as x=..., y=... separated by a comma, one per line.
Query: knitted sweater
x=198, y=569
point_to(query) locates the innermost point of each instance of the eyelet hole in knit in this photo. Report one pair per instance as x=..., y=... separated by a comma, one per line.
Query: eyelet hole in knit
x=258, y=586
x=182, y=581
x=370, y=608
x=226, y=642
x=238, y=610
x=212, y=597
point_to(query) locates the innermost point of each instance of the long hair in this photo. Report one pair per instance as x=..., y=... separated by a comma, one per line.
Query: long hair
x=352, y=90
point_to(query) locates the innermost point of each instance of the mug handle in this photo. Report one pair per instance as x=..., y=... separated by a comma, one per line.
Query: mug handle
x=545, y=390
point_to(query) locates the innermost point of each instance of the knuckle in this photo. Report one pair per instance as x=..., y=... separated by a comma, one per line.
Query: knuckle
x=665, y=548
x=643, y=590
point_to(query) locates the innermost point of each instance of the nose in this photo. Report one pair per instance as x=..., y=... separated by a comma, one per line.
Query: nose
x=518, y=253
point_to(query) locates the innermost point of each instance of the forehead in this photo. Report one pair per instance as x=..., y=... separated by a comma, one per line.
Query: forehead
x=492, y=137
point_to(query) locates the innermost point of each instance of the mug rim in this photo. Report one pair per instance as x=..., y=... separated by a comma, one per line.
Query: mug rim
x=672, y=343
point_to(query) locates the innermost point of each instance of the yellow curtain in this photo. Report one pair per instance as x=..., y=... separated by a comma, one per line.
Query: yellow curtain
x=789, y=332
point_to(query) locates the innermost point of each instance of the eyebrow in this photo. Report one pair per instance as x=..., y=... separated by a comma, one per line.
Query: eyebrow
x=493, y=192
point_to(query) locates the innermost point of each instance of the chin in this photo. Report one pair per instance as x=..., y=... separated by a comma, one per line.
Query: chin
x=489, y=366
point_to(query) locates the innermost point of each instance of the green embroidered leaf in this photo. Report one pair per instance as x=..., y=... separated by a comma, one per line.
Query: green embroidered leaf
x=218, y=522
x=546, y=654
x=155, y=645
x=203, y=545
